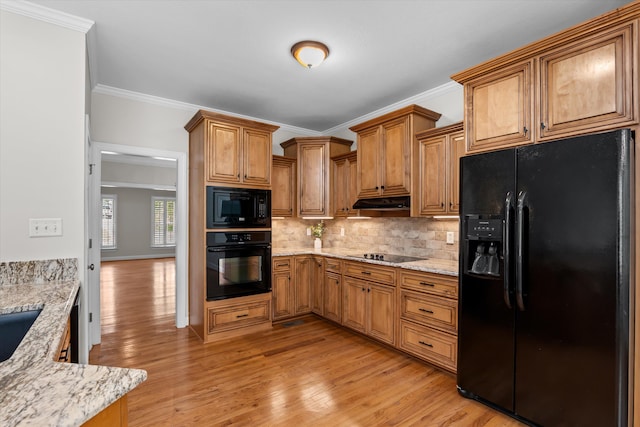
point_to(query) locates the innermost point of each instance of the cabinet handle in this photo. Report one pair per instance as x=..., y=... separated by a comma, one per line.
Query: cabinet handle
x=245, y=176
x=525, y=130
x=242, y=315
x=382, y=187
x=442, y=205
x=368, y=289
x=425, y=343
x=238, y=176
x=542, y=126
x=424, y=310
x=362, y=289
x=377, y=188
x=427, y=284
x=366, y=272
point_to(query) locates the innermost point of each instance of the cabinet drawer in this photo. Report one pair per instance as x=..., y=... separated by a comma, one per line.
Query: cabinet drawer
x=441, y=313
x=366, y=271
x=436, y=347
x=436, y=284
x=281, y=263
x=238, y=316
x=333, y=265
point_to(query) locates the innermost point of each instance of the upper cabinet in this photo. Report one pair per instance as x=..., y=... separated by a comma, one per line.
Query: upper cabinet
x=237, y=152
x=345, y=170
x=283, y=186
x=438, y=165
x=314, y=178
x=582, y=80
x=385, y=147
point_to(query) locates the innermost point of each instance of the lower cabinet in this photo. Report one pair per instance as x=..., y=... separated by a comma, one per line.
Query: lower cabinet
x=368, y=305
x=428, y=307
x=238, y=316
x=292, y=285
x=317, y=285
x=114, y=415
x=332, y=286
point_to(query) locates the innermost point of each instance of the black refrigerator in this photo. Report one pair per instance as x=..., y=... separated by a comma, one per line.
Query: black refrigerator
x=545, y=265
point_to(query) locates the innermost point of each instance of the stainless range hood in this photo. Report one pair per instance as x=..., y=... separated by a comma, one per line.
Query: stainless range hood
x=401, y=203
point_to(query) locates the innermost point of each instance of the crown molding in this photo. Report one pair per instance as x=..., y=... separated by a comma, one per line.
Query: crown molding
x=415, y=99
x=46, y=14
x=170, y=103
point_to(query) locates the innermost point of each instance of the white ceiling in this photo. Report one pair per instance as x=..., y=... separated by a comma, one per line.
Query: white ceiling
x=235, y=55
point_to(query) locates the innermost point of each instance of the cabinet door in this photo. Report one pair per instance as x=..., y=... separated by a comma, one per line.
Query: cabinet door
x=223, y=153
x=302, y=284
x=369, y=157
x=499, y=109
x=312, y=175
x=282, y=295
x=432, y=175
x=381, y=312
x=317, y=286
x=340, y=187
x=456, y=150
x=257, y=157
x=333, y=296
x=354, y=304
x=283, y=184
x=587, y=86
x=352, y=187
x=396, y=157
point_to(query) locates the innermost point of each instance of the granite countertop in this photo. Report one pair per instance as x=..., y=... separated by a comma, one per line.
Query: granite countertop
x=430, y=265
x=35, y=390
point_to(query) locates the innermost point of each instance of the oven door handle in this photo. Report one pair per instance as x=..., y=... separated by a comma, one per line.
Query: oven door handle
x=236, y=247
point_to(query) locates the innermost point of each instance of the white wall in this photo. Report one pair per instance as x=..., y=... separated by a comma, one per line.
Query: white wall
x=42, y=113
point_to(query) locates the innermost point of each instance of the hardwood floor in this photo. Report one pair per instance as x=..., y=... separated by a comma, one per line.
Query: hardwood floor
x=308, y=372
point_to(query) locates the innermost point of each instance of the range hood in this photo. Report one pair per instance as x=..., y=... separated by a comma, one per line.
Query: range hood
x=401, y=203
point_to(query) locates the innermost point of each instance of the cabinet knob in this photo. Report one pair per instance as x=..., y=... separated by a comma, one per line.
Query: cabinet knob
x=382, y=187
x=377, y=188
x=542, y=126
x=525, y=130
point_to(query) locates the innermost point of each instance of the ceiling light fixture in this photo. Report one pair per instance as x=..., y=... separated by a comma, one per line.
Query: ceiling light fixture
x=309, y=53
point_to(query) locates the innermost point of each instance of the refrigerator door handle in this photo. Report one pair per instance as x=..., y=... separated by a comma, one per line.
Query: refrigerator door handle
x=522, y=196
x=506, y=245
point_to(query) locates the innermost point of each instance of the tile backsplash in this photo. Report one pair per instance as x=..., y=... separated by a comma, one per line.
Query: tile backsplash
x=422, y=237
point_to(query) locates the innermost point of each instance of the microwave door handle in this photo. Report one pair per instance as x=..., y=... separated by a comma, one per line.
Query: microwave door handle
x=506, y=247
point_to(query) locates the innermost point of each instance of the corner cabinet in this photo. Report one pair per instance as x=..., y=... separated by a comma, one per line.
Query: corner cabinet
x=581, y=80
x=313, y=157
x=438, y=165
x=224, y=151
x=237, y=152
x=283, y=186
x=385, y=151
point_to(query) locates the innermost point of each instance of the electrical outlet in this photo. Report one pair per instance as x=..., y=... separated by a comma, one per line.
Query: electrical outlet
x=45, y=227
x=342, y=231
x=308, y=231
x=449, y=237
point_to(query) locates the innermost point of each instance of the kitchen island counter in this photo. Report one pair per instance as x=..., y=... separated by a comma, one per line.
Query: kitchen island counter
x=430, y=265
x=35, y=389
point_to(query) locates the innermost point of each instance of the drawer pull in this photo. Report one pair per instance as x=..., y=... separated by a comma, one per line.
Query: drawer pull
x=427, y=284
x=242, y=315
x=424, y=310
x=425, y=343
x=282, y=265
x=366, y=272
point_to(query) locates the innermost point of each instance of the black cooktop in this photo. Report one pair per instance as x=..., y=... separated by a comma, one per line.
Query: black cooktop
x=393, y=258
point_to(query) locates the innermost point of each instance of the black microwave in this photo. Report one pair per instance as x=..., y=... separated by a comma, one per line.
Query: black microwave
x=238, y=208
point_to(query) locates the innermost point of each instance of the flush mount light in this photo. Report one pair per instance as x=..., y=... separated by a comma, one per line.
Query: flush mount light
x=309, y=53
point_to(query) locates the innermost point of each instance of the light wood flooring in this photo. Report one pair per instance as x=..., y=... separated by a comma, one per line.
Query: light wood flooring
x=309, y=372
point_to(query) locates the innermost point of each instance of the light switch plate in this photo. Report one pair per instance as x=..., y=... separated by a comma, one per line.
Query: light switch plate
x=45, y=227
x=449, y=237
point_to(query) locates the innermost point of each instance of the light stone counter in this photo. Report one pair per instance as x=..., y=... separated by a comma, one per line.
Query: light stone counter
x=439, y=266
x=35, y=390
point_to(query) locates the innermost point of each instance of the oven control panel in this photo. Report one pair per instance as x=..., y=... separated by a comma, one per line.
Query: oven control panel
x=220, y=238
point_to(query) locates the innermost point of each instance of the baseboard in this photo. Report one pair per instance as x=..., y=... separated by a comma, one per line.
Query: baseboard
x=130, y=257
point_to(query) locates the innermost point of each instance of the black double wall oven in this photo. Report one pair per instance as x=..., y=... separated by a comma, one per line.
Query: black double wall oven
x=238, y=242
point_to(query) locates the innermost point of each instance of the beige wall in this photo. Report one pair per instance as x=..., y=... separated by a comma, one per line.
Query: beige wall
x=42, y=141
x=420, y=237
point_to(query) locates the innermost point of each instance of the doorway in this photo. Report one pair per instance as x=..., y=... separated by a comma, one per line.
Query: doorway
x=181, y=229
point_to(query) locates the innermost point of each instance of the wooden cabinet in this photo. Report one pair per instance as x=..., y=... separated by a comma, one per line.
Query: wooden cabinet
x=283, y=186
x=438, y=165
x=578, y=81
x=233, y=317
x=64, y=349
x=314, y=178
x=385, y=149
x=236, y=151
x=281, y=287
x=304, y=272
x=114, y=415
x=369, y=300
x=224, y=151
x=317, y=285
x=333, y=290
x=428, y=308
x=345, y=184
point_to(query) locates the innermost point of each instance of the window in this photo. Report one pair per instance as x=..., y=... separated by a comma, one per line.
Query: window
x=163, y=231
x=108, y=221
